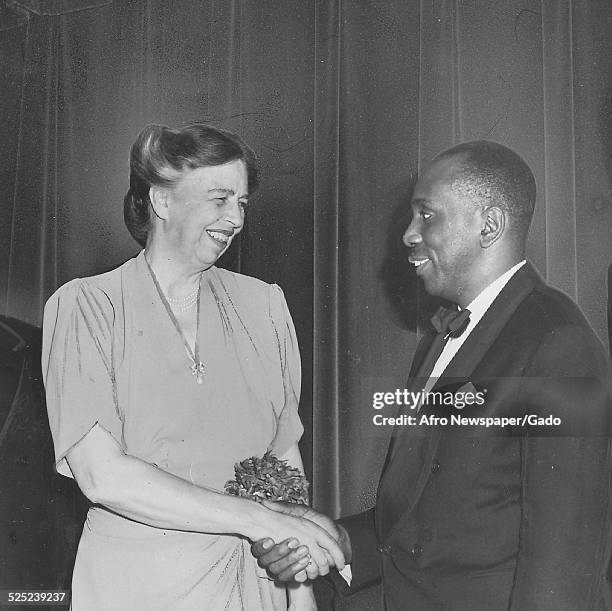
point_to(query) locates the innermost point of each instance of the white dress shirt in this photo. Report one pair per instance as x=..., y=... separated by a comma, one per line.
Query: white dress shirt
x=477, y=307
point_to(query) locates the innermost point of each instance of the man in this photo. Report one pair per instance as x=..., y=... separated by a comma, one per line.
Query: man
x=487, y=518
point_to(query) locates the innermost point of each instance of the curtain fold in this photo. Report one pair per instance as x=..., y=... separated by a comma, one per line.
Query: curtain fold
x=592, y=94
x=326, y=350
x=440, y=109
x=558, y=147
x=31, y=271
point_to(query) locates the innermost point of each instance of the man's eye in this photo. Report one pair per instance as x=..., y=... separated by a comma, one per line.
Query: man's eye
x=425, y=215
x=244, y=204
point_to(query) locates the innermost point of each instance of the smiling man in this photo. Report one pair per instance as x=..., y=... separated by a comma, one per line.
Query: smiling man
x=488, y=519
x=457, y=220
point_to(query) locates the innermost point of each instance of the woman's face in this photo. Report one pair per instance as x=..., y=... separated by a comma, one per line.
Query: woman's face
x=205, y=211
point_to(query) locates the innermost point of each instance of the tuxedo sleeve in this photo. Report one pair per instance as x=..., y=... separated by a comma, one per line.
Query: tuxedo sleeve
x=565, y=487
x=365, y=561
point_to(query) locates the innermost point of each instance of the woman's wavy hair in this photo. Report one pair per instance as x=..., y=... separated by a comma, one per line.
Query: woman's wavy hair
x=160, y=154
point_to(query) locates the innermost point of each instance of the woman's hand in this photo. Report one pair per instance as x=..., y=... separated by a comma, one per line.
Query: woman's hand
x=317, y=548
x=304, y=511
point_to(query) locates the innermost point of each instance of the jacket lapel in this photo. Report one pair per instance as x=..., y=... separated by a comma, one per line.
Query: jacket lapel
x=412, y=384
x=490, y=325
x=404, y=493
x=421, y=351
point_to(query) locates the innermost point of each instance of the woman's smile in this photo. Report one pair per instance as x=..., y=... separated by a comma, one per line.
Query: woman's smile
x=220, y=236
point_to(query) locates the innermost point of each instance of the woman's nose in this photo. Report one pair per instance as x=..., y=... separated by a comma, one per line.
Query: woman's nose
x=234, y=213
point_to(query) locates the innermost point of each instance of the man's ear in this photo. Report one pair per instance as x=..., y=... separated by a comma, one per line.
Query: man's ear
x=493, y=225
x=159, y=201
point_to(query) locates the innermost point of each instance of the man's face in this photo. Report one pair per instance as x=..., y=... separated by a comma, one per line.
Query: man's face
x=444, y=236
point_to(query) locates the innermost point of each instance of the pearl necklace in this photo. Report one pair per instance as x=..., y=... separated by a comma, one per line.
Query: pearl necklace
x=184, y=303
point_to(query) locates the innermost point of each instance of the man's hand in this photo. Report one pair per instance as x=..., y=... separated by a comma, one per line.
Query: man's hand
x=288, y=560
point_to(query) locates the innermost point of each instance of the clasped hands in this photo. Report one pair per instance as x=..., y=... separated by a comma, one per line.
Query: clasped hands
x=291, y=560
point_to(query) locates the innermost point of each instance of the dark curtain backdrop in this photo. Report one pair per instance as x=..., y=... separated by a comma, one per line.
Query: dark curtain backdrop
x=343, y=101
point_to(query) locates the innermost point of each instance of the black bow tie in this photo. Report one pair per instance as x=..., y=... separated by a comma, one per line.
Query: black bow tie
x=450, y=321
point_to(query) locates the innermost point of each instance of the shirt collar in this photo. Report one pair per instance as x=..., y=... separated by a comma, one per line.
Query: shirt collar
x=481, y=303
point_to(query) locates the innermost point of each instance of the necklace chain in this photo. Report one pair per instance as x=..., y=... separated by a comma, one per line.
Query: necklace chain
x=197, y=367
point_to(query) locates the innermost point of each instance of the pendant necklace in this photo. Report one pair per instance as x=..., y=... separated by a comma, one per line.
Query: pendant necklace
x=197, y=368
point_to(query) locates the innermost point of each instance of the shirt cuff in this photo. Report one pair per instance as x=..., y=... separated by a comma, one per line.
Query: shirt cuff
x=346, y=574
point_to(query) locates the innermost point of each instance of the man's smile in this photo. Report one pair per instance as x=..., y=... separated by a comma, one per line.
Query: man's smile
x=418, y=262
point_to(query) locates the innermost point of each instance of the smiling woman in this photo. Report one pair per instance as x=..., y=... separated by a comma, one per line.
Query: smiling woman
x=160, y=158
x=160, y=376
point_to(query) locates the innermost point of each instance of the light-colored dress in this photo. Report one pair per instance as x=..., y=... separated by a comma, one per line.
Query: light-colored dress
x=112, y=356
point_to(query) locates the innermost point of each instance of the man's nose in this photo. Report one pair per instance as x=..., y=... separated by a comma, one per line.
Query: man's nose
x=412, y=237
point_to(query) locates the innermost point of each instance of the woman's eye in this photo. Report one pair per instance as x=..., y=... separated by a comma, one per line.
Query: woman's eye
x=425, y=215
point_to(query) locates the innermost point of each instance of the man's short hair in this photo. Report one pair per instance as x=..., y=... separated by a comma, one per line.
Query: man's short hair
x=491, y=174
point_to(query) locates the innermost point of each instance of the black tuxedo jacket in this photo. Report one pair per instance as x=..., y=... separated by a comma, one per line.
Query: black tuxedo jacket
x=489, y=519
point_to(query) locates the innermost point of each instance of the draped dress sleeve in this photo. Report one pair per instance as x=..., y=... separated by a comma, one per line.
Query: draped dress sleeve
x=289, y=427
x=78, y=366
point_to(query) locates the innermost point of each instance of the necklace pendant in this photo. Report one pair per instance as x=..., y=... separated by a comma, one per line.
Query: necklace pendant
x=198, y=370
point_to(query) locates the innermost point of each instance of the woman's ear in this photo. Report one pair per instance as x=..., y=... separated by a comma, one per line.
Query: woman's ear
x=493, y=225
x=159, y=201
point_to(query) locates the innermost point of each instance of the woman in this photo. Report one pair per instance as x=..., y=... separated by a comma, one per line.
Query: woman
x=160, y=376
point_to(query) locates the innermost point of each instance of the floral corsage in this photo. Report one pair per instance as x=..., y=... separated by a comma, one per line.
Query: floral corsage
x=268, y=479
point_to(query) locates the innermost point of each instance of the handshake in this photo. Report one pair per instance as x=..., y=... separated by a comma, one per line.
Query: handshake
x=317, y=545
